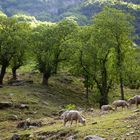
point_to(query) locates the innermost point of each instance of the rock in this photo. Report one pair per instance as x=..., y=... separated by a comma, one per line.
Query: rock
x=90, y=110
x=132, y=132
x=15, y=137
x=129, y=126
x=22, y=106
x=137, y=110
x=91, y=137
x=45, y=103
x=19, y=82
x=11, y=94
x=13, y=117
x=30, y=113
x=29, y=124
x=71, y=138
x=128, y=134
x=41, y=137
x=94, y=123
x=5, y=105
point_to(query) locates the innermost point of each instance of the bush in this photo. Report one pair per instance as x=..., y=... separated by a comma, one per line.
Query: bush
x=70, y=107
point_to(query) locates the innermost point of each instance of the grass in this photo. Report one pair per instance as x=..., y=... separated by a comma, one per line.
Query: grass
x=46, y=102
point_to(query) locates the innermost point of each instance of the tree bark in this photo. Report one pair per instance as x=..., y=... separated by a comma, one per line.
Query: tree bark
x=14, y=73
x=104, y=99
x=87, y=95
x=121, y=88
x=119, y=65
x=46, y=77
x=104, y=88
x=103, y=85
x=3, y=70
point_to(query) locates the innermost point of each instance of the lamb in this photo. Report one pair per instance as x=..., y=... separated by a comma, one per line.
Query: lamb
x=120, y=103
x=72, y=115
x=134, y=100
x=106, y=108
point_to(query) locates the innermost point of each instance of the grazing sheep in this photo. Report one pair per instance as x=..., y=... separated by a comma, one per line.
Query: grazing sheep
x=72, y=115
x=106, y=108
x=120, y=103
x=134, y=100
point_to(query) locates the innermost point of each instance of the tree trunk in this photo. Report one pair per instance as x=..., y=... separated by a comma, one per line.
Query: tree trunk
x=121, y=88
x=119, y=65
x=104, y=84
x=87, y=95
x=3, y=70
x=46, y=77
x=14, y=73
x=103, y=99
x=55, y=68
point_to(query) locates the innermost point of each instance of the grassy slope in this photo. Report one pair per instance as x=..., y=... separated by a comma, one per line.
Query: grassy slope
x=47, y=101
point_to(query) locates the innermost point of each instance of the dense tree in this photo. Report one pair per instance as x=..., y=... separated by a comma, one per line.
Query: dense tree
x=104, y=51
x=21, y=42
x=51, y=47
x=101, y=54
x=117, y=27
x=25, y=18
x=81, y=62
x=10, y=32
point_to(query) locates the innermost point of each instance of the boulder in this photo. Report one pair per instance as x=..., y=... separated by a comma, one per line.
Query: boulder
x=13, y=117
x=4, y=104
x=20, y=137
x=29, y=124
x=19, y=82
x=15, y=137
x=71, y=138
x=95, y=137
x=22, y=106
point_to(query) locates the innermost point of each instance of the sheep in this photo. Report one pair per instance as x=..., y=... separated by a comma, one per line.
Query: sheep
x=106, y=108
x=134, y=100
x=120, y=103
x=72, y=115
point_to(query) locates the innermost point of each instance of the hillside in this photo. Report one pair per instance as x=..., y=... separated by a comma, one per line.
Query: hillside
x=46, y=104
x=81, y=10
x=48, y=67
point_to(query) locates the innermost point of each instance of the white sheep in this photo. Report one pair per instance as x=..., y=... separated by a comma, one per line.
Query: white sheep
x=120, y=103
x=106, y=108
x=72, y=115
x=134, y=100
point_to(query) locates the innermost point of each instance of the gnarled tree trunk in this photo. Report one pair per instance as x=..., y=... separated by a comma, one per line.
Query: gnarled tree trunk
x=46, y=76
x=14, y=74
x=3, y=70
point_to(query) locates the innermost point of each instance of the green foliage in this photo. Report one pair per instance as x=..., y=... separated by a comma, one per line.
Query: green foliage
x=25, y=18
x=96, y=58
x=13, y=40
x=2, y=14
x=70, y=107
x=21, y=43
x=51, y=47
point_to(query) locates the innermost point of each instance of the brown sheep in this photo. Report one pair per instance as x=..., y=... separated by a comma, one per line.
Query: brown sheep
x=134, y=100
x=72, y=115
x=120, y=103
x=106, y=108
